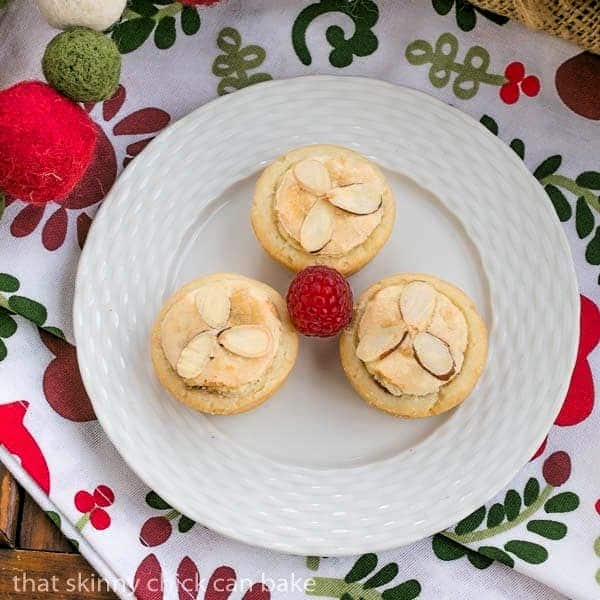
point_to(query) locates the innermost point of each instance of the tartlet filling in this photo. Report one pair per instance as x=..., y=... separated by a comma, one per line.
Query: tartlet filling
x=412, y=339
x=222, y=337
x=328, y=205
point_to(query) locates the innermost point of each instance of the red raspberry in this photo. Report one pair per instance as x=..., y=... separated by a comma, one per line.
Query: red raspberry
x=509, y=93
x=319, y=301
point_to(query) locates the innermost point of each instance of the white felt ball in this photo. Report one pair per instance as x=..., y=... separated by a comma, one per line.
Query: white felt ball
x=95, y=14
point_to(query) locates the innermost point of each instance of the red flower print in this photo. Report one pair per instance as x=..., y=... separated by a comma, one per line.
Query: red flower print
x=148, y=581
x=188, y=579
x=62, y=384
x=579, y=400
x=517, y=81
x=15, y=437
x=597, y=506
x=92, y=506
x=97, y=180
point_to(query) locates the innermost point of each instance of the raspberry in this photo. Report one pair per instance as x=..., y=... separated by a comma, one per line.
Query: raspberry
x=319, y=301
x=531, y=85
x=99, y=519
x=514, y=72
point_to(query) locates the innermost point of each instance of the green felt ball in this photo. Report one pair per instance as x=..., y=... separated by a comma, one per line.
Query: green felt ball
x=82, y=64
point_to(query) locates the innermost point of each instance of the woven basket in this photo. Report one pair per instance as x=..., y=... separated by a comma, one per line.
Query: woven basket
x=575, y=20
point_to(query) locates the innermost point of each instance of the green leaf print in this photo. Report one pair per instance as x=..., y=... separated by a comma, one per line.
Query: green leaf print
x=3, y=351
x=563, y=502
x=495, y=515
x=470, y=74
x=155, y=501
x=531, y=491
x=8, y=325
x=490, y=124
x=130, y=35
x=185, y=524
x=592, y=253
x=363, y=42
x=142, y=17
x=512, y=505
x=471, y=522
x=553, y=530
x=362, y=567
x=190, y=20
x=548, y=167
x=30, y=309
x=584, y=219
x=447, y=549
x=561, y=204
x=351, y=588
x=589, y=179
x=235, y=62
x=518, y=147
x=479, y=561
x=528, y=551
x=466, y=17
x=8, y=283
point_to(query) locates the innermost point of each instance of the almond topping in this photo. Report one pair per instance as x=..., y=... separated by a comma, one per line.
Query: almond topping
x=380, y=343
x=417, y=301
x=196, y=354
x=313, y=176
x=317, y=227
x=433, y=355
x=213, y=304
x=358, y=198
x=249, y=341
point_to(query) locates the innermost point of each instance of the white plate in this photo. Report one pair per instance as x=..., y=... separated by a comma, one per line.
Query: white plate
x=314, y=470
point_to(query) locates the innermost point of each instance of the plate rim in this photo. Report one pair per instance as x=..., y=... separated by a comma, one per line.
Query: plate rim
x=353, y=549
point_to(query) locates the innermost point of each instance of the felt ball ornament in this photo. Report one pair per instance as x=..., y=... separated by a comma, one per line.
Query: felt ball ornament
x=95, y=14
x=47, y=142
x=82, y=64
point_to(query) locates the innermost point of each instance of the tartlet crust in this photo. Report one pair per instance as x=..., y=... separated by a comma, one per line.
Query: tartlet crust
x=217, y=403
x=264, y=222
x=449, y=395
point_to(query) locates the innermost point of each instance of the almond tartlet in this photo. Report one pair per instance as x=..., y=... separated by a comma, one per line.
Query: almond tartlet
x=223, y=343
x=323, y=205
x=416, y=346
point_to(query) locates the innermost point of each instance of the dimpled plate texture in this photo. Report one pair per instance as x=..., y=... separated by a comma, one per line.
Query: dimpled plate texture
x=125, y=274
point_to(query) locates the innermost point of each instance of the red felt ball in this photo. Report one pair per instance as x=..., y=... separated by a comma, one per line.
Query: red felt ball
x=47, y=142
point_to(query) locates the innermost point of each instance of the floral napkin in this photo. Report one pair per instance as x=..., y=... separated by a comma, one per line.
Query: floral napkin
x=540, y=95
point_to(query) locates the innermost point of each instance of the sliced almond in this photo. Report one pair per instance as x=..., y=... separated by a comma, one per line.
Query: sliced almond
x=313, y=176
x=417, y=301
x=249, y=341
x=378, y=344
x=213, y=304
x=317, y=227
x=358, y=198
x=433, y=355
x=196, y=354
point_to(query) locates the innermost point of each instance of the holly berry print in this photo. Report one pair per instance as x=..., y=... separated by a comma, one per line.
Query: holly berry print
x=365, y=580
x=233, y=65
x=15, y=304
x=157, y=530
x=93, y=506
x=583, y=189
x=362, y=42
x=515, y=509
x=145, y=17
x=466, y=13
x=470, y=74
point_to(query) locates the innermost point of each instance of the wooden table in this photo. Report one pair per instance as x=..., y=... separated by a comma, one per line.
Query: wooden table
x=36, y=560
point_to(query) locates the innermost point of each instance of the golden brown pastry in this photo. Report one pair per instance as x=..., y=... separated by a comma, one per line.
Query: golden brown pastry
x=323, y=205
x=416, y=346
x=223, y=343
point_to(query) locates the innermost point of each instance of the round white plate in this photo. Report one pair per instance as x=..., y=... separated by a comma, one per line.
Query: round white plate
x=314, y=470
